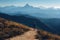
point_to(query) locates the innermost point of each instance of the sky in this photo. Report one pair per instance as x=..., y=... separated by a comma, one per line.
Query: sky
x=35, y=3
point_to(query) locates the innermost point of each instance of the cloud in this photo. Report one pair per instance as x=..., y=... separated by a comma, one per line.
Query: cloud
x=31, y=2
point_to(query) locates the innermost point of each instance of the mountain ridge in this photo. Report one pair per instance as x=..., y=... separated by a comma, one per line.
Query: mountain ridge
x=29, y=21
x=33, y=11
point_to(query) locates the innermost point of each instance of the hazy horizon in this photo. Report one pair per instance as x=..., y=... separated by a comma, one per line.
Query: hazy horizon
x=45, y=8
x=35, y=3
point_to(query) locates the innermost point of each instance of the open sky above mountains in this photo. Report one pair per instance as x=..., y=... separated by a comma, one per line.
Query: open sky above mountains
x=35, y=3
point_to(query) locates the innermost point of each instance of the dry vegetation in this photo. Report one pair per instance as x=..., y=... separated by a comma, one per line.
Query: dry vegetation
x=9, y=29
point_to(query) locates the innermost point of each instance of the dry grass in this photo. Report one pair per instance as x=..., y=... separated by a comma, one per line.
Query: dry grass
x=10, y=28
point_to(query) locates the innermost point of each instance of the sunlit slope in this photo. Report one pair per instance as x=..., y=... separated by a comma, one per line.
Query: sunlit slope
x=12, y=30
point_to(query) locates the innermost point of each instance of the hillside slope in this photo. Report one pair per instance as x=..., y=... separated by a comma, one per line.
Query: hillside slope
x=54, y=23
x=10, y=30
x=28, y=20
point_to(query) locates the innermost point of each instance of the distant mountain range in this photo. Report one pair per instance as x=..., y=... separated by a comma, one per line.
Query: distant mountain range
x=31, y=16
x=33, y=11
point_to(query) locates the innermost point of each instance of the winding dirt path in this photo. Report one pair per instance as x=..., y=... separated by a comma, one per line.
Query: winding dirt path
x=30, y=35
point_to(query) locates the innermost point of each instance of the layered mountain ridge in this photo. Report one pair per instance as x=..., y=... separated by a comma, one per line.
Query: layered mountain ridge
x=30, y=10
x=29, y=21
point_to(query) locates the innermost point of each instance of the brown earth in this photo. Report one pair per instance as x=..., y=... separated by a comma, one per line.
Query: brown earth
x=15, y=31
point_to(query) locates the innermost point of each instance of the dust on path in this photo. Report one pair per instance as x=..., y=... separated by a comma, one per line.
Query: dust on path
x=30, y=35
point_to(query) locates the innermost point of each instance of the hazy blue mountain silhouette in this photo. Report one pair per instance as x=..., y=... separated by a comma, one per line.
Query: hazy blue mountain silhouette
x=28, y=6
x=33, y=11
x=29, y=21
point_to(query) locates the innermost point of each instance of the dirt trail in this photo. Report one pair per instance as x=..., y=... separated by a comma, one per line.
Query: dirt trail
x=30, y=35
